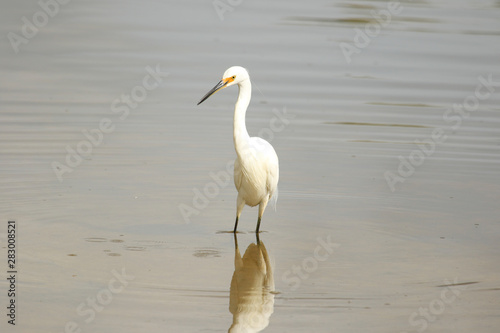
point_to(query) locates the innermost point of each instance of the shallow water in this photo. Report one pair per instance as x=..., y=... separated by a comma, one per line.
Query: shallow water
x=106, y=248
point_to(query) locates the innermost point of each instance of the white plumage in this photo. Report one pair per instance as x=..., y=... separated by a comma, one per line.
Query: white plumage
x=256, y=169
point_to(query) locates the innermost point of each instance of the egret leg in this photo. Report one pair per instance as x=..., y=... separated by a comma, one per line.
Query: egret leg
x=240, y=203
x=235, y=225
x=262, y=207
x=258, y=226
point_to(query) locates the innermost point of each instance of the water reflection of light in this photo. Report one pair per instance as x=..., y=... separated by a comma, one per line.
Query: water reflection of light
x=251, y=300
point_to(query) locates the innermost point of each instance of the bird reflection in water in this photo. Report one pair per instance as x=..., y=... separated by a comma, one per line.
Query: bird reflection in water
x=251, y=299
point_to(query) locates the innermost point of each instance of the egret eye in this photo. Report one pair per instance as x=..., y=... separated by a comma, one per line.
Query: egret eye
x=234, y=76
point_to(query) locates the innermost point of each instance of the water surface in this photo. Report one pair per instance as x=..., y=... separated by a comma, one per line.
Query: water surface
x=344, y=251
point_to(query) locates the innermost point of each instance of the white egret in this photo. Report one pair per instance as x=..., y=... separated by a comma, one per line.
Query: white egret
x=256, y=168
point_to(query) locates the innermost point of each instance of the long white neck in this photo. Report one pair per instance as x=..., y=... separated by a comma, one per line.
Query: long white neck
x=240, y=134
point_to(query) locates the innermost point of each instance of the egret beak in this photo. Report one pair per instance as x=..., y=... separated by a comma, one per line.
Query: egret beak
x=212, y=91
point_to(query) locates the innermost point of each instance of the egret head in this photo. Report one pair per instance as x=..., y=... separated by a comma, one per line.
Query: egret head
x=233, y=75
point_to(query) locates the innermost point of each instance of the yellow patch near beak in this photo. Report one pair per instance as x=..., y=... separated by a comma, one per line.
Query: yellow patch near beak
x=228, y=80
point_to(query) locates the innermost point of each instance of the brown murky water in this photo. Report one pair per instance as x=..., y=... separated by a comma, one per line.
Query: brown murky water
x=386, y=120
